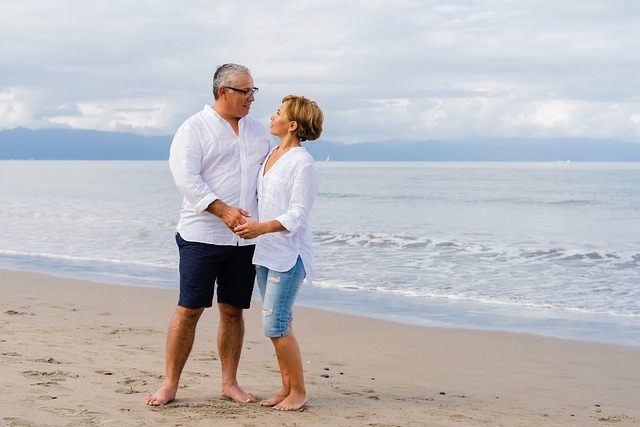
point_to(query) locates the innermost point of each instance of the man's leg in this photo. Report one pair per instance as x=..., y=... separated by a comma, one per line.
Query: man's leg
x=182, y=330
x=230, y=339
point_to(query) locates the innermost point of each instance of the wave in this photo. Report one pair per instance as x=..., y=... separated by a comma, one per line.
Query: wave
x=502, y=300
x=86, y=259
x=370, y=239
x=463, y=199
x=486, y=248
x=585, y=278
x=539, y=202
x=573, y=255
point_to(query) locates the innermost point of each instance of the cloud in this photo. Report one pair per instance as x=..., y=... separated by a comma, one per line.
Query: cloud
x=133, y=115
x=402, y=70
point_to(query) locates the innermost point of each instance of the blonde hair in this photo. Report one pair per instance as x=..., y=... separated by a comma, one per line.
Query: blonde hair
x=307, y=114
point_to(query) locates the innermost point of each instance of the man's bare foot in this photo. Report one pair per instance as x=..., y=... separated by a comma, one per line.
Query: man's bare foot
x=275, y=399
x=236, y=394
x=293, y=402
x=162, y=396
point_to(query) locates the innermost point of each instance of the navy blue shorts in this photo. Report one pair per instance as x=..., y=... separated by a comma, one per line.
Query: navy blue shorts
x=204, y=265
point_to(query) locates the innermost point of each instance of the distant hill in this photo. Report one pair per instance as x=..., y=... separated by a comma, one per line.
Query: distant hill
x=66, y=144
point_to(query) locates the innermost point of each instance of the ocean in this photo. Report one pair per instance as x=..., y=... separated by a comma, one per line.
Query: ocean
x=551, y=249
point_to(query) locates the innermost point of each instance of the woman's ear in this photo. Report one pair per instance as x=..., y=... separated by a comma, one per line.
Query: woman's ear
x=293, y=126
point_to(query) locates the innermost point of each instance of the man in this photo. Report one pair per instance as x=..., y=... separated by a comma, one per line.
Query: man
x=215, y=158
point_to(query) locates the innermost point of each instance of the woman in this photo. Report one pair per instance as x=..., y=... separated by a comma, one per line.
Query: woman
x=287, y=188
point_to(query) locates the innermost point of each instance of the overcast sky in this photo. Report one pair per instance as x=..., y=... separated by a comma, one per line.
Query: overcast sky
x=380, y=69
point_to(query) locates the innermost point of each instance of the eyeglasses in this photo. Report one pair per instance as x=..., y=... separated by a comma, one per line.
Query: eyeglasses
x=248, y=93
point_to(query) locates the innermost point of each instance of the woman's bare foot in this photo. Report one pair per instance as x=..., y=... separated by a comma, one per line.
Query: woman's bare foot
x=293, y=402
x=162, y=396
x=275, y=399
x=236, y=394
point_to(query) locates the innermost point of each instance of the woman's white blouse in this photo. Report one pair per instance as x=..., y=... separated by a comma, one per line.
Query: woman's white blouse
x=286, y=193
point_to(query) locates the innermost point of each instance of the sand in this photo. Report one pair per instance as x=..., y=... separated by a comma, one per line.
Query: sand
x=76, y=353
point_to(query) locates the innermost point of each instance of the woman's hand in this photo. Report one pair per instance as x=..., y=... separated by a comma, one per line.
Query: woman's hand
x=249, y=230
x=252, y=229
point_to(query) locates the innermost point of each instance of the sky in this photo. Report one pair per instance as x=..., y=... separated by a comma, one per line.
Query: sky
x=381, y=70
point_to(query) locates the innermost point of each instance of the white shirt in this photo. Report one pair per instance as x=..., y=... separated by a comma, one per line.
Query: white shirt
x=208, y=162
x=286, y=193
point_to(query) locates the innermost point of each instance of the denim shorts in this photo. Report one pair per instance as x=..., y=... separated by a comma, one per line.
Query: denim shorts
x=204, y=265
x=279, y=291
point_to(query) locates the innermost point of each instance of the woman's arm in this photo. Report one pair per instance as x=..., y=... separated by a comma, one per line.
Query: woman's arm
x=303, y=195
x=252, y=229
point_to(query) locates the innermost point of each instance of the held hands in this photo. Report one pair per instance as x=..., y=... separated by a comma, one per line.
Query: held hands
x=236, y=220
x=230, y=215
x=249, y=229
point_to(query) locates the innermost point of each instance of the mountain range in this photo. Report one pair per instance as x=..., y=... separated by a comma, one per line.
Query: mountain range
x=68, y=144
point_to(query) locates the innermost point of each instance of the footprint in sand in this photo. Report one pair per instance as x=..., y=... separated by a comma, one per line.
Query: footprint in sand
x=17, y=313
x=17, y=422
x=132, y=386
x=51, y=376
x=50, y=360
x=47, y=384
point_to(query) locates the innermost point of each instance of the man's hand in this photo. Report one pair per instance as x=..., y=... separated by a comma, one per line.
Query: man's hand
x=230, y=215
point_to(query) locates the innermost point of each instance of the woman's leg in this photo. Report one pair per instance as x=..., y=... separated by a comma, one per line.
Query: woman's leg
x=279, y=291
x=290, y=361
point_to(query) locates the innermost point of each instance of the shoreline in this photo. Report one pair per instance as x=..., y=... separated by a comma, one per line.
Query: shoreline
x=432, y=312
x=81, y=353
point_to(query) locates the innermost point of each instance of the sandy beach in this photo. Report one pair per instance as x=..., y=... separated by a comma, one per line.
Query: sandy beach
x=76, y=353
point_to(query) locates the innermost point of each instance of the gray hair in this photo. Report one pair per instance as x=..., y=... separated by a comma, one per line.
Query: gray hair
x=225, y=75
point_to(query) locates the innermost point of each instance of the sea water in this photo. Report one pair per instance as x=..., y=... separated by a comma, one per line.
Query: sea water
x=543, y=248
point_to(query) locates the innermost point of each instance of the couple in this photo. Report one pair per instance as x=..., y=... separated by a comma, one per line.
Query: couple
x=238, y=188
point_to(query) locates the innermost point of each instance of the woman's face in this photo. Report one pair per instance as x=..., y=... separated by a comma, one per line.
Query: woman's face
x=280, y=122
